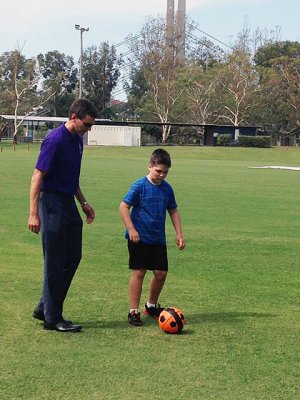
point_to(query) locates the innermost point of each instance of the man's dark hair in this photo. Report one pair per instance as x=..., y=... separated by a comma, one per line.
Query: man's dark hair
x=81, y=108
x=160, y=156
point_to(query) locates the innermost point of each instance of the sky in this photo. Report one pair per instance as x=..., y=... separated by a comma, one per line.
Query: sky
x=36, y=26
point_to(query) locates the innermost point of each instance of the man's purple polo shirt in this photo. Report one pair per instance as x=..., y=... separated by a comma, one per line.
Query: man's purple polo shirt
x=60, y=158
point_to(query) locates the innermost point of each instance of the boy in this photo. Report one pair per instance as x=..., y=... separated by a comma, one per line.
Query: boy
x=150, y=197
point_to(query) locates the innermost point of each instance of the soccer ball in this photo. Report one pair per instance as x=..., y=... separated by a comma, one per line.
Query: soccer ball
x=171, y=320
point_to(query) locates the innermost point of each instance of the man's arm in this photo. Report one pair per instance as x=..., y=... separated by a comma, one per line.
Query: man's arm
x=86, y=208
x=126, y=218
x=176, y=221
x=34, y=223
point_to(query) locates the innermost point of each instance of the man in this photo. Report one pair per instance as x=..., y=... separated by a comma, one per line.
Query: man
x=54, y=183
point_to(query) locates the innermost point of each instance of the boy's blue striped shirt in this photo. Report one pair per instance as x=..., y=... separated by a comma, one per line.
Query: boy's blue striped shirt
x=149, y=205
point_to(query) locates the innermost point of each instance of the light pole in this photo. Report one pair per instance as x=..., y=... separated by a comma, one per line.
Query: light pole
x=79, y=28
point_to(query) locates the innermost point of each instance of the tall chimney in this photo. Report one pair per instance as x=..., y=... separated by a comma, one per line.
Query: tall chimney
x=180, y=32
x=170, y=29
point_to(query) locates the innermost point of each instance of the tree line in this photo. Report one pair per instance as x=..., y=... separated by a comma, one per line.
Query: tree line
x=254, y=81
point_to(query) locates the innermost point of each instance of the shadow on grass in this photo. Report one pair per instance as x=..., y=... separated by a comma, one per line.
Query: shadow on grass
x=226, y=317
x=115, y=324
x=191, y=319
x=221, y=317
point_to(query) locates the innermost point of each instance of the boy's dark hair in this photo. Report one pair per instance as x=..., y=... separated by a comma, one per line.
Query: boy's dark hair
x=160, y=156
x=81, y=108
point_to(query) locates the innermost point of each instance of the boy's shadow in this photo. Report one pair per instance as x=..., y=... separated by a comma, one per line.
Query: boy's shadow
x=226, y=317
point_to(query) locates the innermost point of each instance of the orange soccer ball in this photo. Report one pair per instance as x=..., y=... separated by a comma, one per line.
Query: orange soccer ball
x=171, y=320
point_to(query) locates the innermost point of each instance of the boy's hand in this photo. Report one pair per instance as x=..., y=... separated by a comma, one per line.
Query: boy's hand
x=133, y=235
x=180, y=242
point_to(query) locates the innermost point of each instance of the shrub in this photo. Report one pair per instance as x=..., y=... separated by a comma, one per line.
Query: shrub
x=254, y=141
x=224, y=139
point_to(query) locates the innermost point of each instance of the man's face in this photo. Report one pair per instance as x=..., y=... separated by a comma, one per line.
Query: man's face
x=157, y=173
x=81, y=126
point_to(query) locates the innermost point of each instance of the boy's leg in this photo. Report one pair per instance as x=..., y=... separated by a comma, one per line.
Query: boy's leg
x=136, y=286
x=152, y=307
x=135, y=291
x=156, y=285
x=159, y=258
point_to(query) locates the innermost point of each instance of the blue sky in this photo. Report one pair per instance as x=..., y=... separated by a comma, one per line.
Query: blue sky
x=39, y=26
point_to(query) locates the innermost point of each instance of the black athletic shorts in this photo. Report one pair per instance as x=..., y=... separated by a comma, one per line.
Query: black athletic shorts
x=148, y=256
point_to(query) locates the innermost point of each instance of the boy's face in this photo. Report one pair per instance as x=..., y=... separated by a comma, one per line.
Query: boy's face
x=157, y=173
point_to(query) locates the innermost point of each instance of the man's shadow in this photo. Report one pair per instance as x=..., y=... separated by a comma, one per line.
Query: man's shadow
x=225, y=317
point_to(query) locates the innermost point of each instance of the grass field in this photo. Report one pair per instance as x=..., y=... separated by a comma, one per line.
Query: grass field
x=237, y=283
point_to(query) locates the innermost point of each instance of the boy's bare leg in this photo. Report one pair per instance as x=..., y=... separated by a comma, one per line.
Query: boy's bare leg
x=136, y=286
x=156, y=285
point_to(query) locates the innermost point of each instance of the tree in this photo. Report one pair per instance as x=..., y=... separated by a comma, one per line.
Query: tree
x=279, y=67
x=21, y=78
x=6, y=99
x=270, y=54
x=238, y=84
x=159, y=70
x=59, y=77
x=136, y=90
x=201, y=50
x=100, y=74
x=199, y=98
x=239, y=89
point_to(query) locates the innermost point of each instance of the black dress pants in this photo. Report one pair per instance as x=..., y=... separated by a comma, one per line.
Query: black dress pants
x=61, y=229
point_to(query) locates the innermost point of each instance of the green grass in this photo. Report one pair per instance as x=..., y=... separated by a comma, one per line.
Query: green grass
x=237, y=283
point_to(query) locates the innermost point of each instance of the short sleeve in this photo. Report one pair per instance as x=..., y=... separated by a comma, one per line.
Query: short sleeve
x=132, y=198
x=46, y=155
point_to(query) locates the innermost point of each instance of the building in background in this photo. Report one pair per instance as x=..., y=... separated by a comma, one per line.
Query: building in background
x=111, y=135
x=103, y=133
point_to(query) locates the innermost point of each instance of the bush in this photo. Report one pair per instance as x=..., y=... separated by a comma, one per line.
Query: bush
x=224, y=139
x=254, y=141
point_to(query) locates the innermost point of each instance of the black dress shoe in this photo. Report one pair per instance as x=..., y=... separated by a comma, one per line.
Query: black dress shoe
x=63, y=326
x=40, y=315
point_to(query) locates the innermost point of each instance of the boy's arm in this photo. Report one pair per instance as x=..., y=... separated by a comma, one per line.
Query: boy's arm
x=175, y=218
x=126, y=218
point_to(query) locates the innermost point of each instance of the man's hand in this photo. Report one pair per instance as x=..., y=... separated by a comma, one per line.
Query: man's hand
x=89, y=212
x=34, y=223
